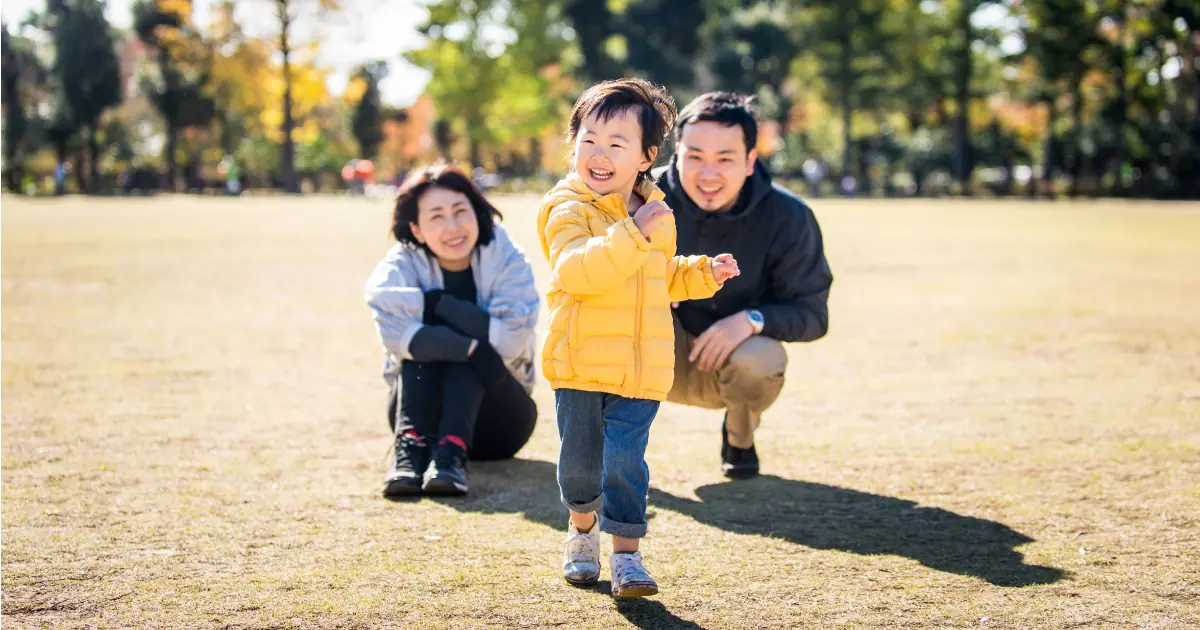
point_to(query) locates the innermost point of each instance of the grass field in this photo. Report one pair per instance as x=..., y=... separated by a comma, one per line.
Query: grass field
x=1001, y=430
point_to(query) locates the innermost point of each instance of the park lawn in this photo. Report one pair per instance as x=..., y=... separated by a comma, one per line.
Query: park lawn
x=1001, y=430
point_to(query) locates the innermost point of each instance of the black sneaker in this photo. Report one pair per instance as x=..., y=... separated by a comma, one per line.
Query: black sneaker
x=411, y=458
x=737, y=463
x=447, y=474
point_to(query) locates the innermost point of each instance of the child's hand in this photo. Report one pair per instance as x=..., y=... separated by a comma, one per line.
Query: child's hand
x=649, y=216
x=724, y=267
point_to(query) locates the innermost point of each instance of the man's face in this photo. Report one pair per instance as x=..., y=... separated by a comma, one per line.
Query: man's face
x=713, y=164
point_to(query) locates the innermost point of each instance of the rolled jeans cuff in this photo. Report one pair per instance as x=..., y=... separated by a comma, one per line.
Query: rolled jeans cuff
x=624, y=530
x=584, y=508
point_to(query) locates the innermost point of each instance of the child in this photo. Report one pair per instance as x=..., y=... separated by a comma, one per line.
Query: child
x=610, y=351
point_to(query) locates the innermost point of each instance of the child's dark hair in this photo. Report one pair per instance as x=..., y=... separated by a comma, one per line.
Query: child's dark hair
x=655, y=111
x=725, y=108
x=446, y=176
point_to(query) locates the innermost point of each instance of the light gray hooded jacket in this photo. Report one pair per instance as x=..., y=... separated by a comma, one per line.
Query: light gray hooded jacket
x=506, y=291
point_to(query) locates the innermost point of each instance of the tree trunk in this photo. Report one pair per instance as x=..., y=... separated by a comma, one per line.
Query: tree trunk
x=1049, y=157
x=170, y=117
x=169, y=157
x=1077, y=132
x=962, y=80
x=288, y=157
x=12, y=178
x=93, y=148
x=535, y=156
x=80, y=172
x=1121, y=102
x=846, y=87
x=473, y=152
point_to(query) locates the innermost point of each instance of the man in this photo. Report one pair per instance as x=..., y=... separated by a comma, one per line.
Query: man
x=729, y=348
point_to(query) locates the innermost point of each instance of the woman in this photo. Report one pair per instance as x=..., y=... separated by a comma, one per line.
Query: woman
x=455, y=306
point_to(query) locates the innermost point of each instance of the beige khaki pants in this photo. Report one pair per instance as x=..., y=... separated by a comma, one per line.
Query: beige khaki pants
x=744, y=387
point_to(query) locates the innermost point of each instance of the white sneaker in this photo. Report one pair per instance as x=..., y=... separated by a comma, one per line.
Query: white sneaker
x=630, y=578
x=581, y=561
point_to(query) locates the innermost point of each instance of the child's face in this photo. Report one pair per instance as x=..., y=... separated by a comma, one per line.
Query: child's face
x=608, y=153
x=447, y=224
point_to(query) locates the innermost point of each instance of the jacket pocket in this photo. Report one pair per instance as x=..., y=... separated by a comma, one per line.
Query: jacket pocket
x=573, y=326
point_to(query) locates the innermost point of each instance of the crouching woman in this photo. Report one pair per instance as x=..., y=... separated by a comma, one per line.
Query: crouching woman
x=455, y=306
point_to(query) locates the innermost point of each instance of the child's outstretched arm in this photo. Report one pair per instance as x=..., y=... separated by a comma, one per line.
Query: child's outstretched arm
x=588, y=265
x=691, y=278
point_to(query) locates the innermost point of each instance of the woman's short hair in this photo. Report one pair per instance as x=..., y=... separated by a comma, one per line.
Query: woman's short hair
x=450, y=177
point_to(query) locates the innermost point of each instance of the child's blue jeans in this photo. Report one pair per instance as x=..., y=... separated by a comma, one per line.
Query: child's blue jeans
x=602, y=461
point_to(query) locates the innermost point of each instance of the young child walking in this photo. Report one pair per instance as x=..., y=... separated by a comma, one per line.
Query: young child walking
x=610, y=351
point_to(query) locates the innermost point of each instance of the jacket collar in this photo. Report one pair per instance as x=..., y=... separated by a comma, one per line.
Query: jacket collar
x=613, y=203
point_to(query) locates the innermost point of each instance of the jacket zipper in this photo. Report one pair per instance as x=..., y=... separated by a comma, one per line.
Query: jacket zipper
x=637, y=338
x=573, y=340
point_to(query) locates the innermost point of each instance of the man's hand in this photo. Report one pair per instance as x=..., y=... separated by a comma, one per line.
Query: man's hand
x=649, y=216
x=724, y=267
x=712, y=349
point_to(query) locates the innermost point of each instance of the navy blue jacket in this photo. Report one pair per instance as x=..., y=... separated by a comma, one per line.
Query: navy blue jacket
x=776, y=240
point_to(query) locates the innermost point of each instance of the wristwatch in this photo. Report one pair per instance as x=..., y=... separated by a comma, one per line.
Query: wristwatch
x=756, y=320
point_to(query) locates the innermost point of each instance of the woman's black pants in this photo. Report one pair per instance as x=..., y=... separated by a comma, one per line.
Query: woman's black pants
x=446, y=398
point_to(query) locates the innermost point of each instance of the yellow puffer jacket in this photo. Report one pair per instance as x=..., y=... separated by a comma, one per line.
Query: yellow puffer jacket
x=611, y=293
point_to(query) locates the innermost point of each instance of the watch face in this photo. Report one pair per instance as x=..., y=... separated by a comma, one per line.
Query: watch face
x=756, y=320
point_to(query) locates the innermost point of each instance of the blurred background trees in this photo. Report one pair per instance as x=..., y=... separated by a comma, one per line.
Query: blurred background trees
x=1031, y=97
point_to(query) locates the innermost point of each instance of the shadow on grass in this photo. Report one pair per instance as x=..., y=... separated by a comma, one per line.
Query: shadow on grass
x=647, y=614
x=652, y=615
x=827, y=517
x=514, y=486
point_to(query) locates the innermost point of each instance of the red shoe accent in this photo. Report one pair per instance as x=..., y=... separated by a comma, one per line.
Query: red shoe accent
x=454, y=439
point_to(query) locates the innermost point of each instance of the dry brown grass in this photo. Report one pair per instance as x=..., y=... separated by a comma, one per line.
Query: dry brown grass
x=1003, y=424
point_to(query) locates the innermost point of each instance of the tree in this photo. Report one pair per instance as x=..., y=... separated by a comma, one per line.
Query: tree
x=178, y=94
x=662, y=39
x=1060, y=36
x=21, y=75
x=288, y=13
x=593, y=23
x=852, y=48
x=367, y=123
x=751, y=49
x=85, y=68
x=467, y=72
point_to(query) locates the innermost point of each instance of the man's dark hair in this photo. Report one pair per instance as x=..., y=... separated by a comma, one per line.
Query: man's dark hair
x=726, y=108
x=655, y=111
x=446, y=176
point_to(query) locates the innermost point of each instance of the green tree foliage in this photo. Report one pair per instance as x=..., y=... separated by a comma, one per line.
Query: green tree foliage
x=852, y=48
x=85, y=69
x=22, y=75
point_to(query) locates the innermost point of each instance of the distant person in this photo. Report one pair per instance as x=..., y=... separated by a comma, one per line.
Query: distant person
x=849, y=186
x=455, y=306
x=728, y=349
x=814, y=174
x=232, y=172
x=610, y=241
x=61, y=170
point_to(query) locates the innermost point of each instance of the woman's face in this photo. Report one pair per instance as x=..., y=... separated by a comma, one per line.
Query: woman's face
x=446, y=223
